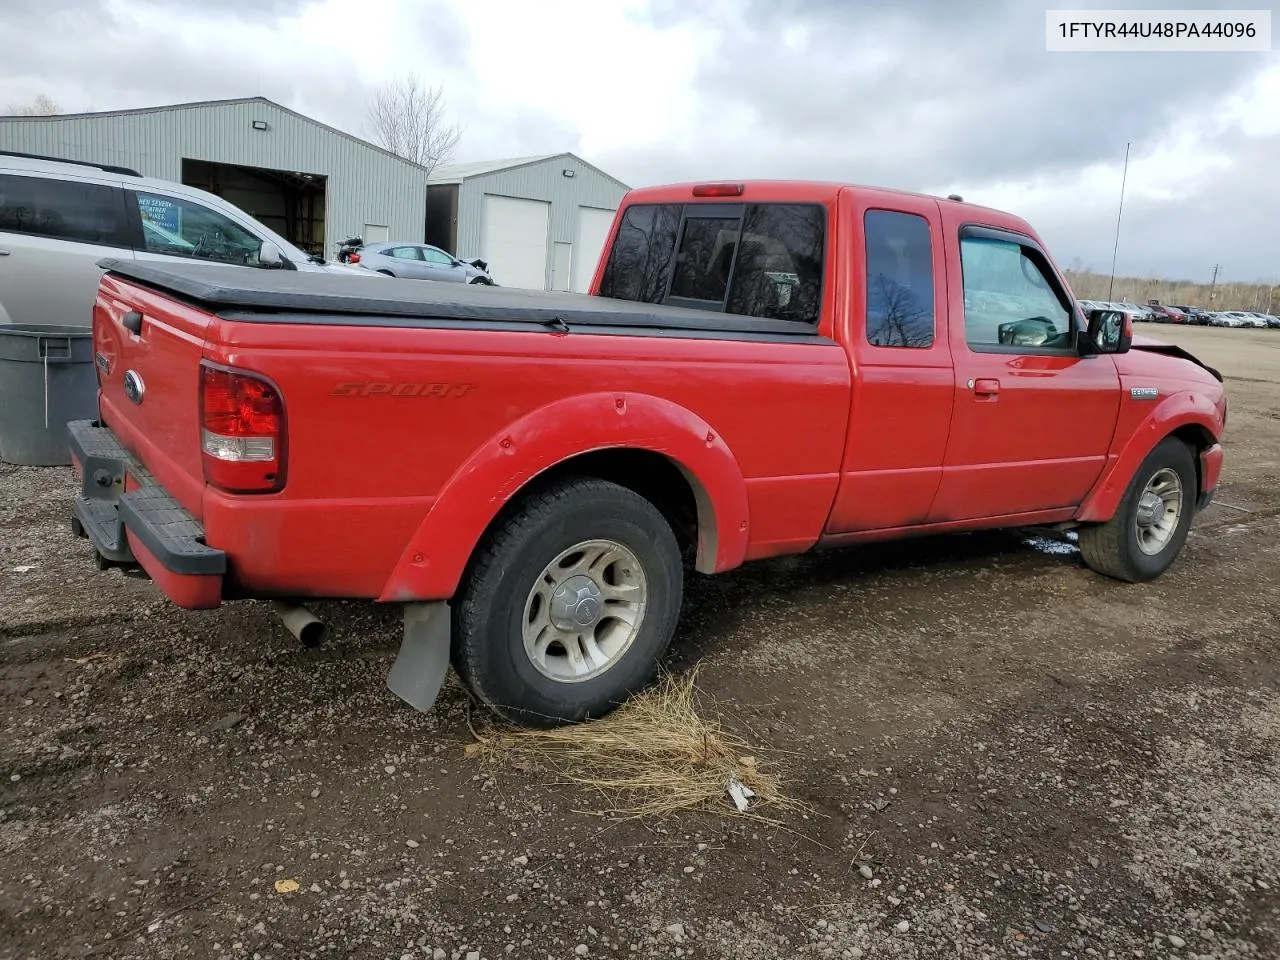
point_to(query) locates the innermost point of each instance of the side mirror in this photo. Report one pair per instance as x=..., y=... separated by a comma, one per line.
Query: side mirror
x=1110, y=330
x=270, y=257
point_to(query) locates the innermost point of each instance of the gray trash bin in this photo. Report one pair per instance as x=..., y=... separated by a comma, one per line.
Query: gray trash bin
x=47, y=378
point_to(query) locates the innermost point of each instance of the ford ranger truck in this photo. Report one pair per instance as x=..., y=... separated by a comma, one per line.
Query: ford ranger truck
x=760, y=369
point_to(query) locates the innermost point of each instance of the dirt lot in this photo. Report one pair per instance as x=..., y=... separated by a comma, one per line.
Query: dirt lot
x=1004, y=755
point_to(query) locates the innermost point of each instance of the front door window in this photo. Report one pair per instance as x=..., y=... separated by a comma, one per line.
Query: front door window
x=182, y=228
x=1009, y=300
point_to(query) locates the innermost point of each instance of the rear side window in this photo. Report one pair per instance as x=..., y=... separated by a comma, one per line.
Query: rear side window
x=757, y=260
x=899, y=280
x=63, y=210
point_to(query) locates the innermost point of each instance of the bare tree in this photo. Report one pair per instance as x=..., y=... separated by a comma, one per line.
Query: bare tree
x=41, y=106
x=408, y=117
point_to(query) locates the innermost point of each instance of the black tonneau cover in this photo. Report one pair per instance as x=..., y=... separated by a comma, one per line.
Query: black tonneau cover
x=295, y=296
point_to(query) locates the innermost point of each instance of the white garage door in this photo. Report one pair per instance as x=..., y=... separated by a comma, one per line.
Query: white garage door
x=593, y=230
x=513, y=237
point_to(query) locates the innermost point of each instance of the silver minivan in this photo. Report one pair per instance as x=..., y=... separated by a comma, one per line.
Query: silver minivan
x=59, y=218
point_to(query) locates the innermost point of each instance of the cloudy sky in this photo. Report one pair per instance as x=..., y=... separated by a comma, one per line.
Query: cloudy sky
x=934, y=95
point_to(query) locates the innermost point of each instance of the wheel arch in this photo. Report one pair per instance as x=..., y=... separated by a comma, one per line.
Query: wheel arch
x=648, y=444
x=1189, y=417
x=669, y=485
x=1199, y=438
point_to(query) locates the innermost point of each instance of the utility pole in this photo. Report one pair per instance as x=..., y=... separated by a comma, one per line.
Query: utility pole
x=1214, y=282
x=1123, y=179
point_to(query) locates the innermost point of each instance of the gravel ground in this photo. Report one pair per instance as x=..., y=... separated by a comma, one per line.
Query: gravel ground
x=1003, y=755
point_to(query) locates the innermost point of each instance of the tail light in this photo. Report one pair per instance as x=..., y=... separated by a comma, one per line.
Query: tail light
x=353, y=257
x=242, y=435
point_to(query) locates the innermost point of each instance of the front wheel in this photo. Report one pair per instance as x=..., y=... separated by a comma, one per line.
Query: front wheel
x=1150, y=526
x=569, y=604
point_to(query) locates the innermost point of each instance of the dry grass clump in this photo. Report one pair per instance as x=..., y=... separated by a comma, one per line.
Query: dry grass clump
x=657, y=754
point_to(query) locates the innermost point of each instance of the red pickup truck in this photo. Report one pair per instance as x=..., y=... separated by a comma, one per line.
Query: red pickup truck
x=761, y=368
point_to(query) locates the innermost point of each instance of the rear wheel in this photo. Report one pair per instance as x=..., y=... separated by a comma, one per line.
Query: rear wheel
x=1150, y=526
x=569, y=605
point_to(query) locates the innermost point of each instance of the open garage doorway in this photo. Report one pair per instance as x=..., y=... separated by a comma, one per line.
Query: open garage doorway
x=291, y=204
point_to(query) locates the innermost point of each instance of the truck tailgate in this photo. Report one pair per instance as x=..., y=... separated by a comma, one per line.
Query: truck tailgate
x=148, y=350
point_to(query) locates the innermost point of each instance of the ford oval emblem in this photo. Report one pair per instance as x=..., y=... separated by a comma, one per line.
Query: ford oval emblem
x=134, y=388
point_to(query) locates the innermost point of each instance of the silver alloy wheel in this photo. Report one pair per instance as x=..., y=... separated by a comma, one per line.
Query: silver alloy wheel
x=1159, y=510
x=584, y=611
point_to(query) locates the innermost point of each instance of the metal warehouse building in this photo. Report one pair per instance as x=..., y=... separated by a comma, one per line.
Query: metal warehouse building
x=310, y=183
x=539, y=221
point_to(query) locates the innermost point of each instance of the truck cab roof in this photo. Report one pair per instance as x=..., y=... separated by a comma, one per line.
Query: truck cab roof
x=811, y=191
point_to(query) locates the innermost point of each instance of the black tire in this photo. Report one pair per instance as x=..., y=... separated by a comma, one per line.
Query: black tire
x=482, y=281
x=1112, y=548
x=488, y=642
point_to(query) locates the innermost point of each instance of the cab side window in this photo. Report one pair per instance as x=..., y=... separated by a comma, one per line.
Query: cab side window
x=63, y=210
x=1010, y=300
x=899, y=280
x=181, y=228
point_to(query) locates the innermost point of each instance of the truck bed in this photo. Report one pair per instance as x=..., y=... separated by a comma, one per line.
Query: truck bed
x=287, y=296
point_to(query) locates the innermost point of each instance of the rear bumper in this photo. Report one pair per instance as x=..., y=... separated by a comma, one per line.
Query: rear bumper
x=131, y=520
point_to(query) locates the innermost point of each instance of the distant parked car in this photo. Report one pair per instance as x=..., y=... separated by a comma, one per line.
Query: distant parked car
x=1224, y=319
x=1194, y=314
x=1246, y=319
x=1141, y=314
x=1164, y=313
x=420, y=261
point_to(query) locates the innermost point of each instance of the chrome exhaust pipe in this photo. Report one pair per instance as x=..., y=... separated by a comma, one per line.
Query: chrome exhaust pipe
x=301, y=622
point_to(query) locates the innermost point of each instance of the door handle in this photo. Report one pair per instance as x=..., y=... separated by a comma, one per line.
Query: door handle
x=985, y=387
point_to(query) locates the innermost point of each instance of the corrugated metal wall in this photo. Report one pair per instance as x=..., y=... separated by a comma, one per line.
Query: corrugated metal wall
x=363, y=185
x=537, y=181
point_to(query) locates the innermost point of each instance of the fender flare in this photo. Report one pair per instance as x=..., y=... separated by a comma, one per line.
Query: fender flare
x=433, y=561
x=1185, y=409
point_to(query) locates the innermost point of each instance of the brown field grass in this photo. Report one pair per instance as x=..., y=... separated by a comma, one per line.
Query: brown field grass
x=1262, y=297
x=660, y=753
